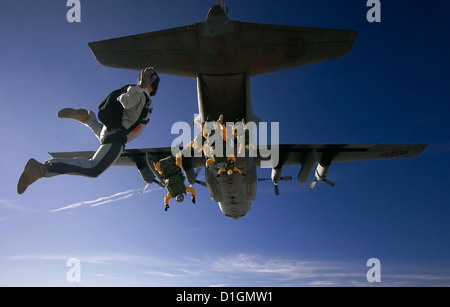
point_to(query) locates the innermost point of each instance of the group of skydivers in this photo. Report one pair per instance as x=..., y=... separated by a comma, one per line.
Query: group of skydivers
x=123, y=116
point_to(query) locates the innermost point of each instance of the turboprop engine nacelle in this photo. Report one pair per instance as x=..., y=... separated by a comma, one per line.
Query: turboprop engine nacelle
x=276, y=178
x=276, y=175
x=321, y=175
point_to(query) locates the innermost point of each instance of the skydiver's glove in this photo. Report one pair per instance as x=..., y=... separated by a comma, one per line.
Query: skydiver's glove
x=145, y=78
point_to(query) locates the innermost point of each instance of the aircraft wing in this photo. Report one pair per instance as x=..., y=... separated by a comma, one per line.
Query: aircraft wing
x=288, y=154
x=130, y=156
x=297, y=154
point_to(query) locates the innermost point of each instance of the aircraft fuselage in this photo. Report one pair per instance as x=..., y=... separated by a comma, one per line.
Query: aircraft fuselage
x=223, y=85
x=223, y=88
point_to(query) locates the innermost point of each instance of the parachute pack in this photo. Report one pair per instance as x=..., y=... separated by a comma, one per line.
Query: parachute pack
x=110, y=111
x=172, y=175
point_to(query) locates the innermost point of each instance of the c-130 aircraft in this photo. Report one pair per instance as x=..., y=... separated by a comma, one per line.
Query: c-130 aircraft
x=222, y=55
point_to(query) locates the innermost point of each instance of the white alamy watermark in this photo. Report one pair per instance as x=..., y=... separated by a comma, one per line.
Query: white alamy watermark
x=230, y=139
x=74, y=273
x=374, y=273
x=74, y=13
x=374, y=13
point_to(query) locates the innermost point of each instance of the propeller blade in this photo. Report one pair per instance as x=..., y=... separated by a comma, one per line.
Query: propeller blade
x=329, y=182
x=145, y=188
x=281, y=178
x=312, y=185
x=201, y=183
x=277, y=189
x=197, y=171
x=286, y=178
x=155, y=181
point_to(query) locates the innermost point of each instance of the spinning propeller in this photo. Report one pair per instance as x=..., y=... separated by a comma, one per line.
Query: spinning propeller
x=275, y=185
x=321, y=175
x=199, y=181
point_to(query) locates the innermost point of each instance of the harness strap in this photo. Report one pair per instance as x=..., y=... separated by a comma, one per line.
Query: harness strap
x=141, y=120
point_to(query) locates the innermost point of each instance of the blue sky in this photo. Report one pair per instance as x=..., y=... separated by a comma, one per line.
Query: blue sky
x=390, y=89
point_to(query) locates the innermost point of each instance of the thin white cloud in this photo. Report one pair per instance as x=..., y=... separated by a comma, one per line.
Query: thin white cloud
x=101, y=200
x=250, y=269
x=104, y=276
x=28, y=257
x=282, y=270
x=5, y=218
x=112, y=200
x=101, y=258
x=275, y=271
x=105, y=199
x=161, y=274
x=10, y=205
x=10, y=210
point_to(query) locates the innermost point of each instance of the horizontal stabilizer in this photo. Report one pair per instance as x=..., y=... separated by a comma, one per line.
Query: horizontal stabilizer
x=229, y=48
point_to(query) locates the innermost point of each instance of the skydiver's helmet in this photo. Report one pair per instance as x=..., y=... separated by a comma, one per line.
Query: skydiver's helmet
x=155, y=83
x=148, y=76
x=179, y=198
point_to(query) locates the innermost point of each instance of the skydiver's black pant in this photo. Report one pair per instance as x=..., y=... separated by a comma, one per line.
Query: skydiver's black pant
x=112, y=146
x=103, y=158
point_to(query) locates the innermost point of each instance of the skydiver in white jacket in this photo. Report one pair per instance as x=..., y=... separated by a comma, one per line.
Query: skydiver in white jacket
x=112, y=140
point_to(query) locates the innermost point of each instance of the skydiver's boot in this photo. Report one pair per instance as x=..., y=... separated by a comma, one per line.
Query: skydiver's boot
x=79, y=115
x=33, y=171
x=166, y=201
